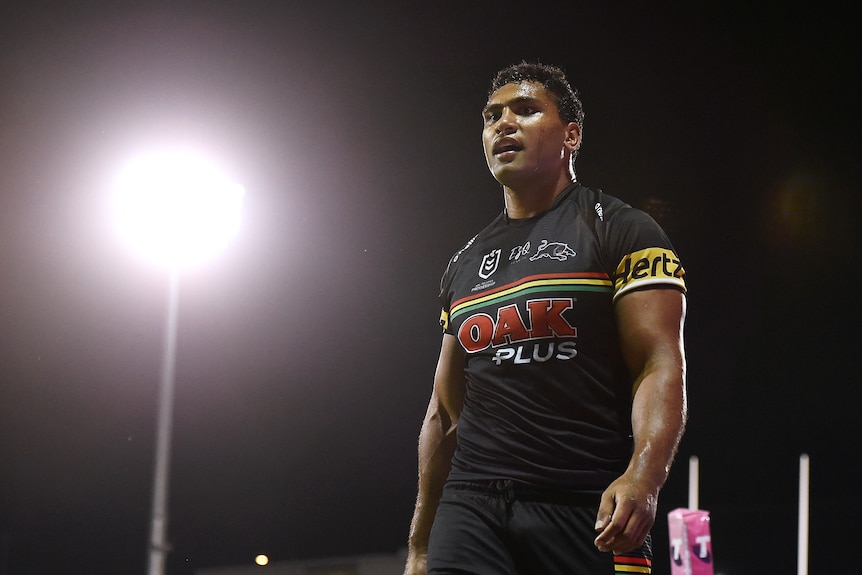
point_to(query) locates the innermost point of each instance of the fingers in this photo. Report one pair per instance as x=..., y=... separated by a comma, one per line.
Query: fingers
x=610, y=526
x=623, y=530
x=606, y=511
x=607, y=525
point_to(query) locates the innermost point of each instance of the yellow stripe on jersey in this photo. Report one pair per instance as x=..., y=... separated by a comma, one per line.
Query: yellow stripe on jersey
x=652, y=266
x=589, y=281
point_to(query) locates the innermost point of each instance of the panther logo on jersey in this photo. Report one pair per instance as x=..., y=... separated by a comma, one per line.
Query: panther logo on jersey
x=554, y=250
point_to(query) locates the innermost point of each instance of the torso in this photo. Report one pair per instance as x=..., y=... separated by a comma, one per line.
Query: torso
x=531, y=302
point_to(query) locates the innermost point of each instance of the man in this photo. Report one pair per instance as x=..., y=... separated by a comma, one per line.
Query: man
x=559, y=394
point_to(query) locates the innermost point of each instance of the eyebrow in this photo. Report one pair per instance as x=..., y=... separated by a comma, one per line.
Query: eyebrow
x=517, y=100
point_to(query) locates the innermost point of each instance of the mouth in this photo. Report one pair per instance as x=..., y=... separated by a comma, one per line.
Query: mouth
x=505, y=145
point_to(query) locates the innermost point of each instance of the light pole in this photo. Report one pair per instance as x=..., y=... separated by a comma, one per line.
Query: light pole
x=159, y=546
x=176, y=208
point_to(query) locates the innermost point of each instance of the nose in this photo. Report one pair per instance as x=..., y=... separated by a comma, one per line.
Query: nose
x=506, y=124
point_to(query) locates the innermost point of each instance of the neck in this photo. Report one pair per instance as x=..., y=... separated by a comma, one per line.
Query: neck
x=527, y=203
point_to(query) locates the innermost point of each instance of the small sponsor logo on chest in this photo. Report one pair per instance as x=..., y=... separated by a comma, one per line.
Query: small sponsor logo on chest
x=559, y=251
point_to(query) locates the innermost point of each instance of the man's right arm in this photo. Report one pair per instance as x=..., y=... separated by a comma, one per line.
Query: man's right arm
x=436, y=447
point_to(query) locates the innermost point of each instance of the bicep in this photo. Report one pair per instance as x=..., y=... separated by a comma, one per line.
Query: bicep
x=650, y=324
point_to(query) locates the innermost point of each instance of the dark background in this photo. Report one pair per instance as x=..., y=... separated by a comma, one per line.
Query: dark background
x=306, y=349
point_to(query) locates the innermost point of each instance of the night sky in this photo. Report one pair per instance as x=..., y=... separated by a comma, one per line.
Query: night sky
x=306, y=348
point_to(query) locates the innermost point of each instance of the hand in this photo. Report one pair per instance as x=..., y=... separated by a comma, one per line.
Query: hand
x=416, y=562
x=626, y=515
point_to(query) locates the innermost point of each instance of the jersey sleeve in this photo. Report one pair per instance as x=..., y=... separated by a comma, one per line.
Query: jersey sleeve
x=445, y=298
x=446, y=286
x=444, y=318
x=640, y=254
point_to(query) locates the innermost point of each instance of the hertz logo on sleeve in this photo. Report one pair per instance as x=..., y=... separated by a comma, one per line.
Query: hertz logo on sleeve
x=648, y=267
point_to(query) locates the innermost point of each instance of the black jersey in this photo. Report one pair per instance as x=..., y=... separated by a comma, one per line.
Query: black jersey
x=548, y=399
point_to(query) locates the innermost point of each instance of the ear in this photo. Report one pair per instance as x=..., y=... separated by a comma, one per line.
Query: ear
x=573, y=136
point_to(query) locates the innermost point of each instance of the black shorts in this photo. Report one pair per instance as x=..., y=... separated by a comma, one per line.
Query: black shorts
x=499, y=528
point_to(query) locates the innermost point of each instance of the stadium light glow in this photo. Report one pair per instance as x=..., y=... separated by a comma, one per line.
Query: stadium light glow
x=176, y=207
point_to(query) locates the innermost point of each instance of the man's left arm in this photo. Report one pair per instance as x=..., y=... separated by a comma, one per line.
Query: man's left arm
x=650, y=325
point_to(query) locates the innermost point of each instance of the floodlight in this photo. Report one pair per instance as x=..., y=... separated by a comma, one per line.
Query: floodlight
x=176, y=206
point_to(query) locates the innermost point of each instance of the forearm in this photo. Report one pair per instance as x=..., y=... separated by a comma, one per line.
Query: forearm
x=436, y=447
x=628, y=507
x=659, y=413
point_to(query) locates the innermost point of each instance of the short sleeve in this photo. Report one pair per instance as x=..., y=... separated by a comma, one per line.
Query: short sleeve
x=640, y=254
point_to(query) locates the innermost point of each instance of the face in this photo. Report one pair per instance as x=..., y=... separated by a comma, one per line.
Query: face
x=524, y=138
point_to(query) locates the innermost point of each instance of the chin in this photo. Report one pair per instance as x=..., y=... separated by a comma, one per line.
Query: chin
x=509, y=176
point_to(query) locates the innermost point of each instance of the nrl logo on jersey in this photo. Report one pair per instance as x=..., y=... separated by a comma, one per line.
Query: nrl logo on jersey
x=489, y=264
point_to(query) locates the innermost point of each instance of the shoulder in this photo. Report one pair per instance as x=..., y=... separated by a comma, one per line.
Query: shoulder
x=474, y=242
x=611, y=214
x=595, y=205
x=635, y=248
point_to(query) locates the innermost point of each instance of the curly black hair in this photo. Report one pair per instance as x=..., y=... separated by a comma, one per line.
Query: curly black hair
x=553, y=79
